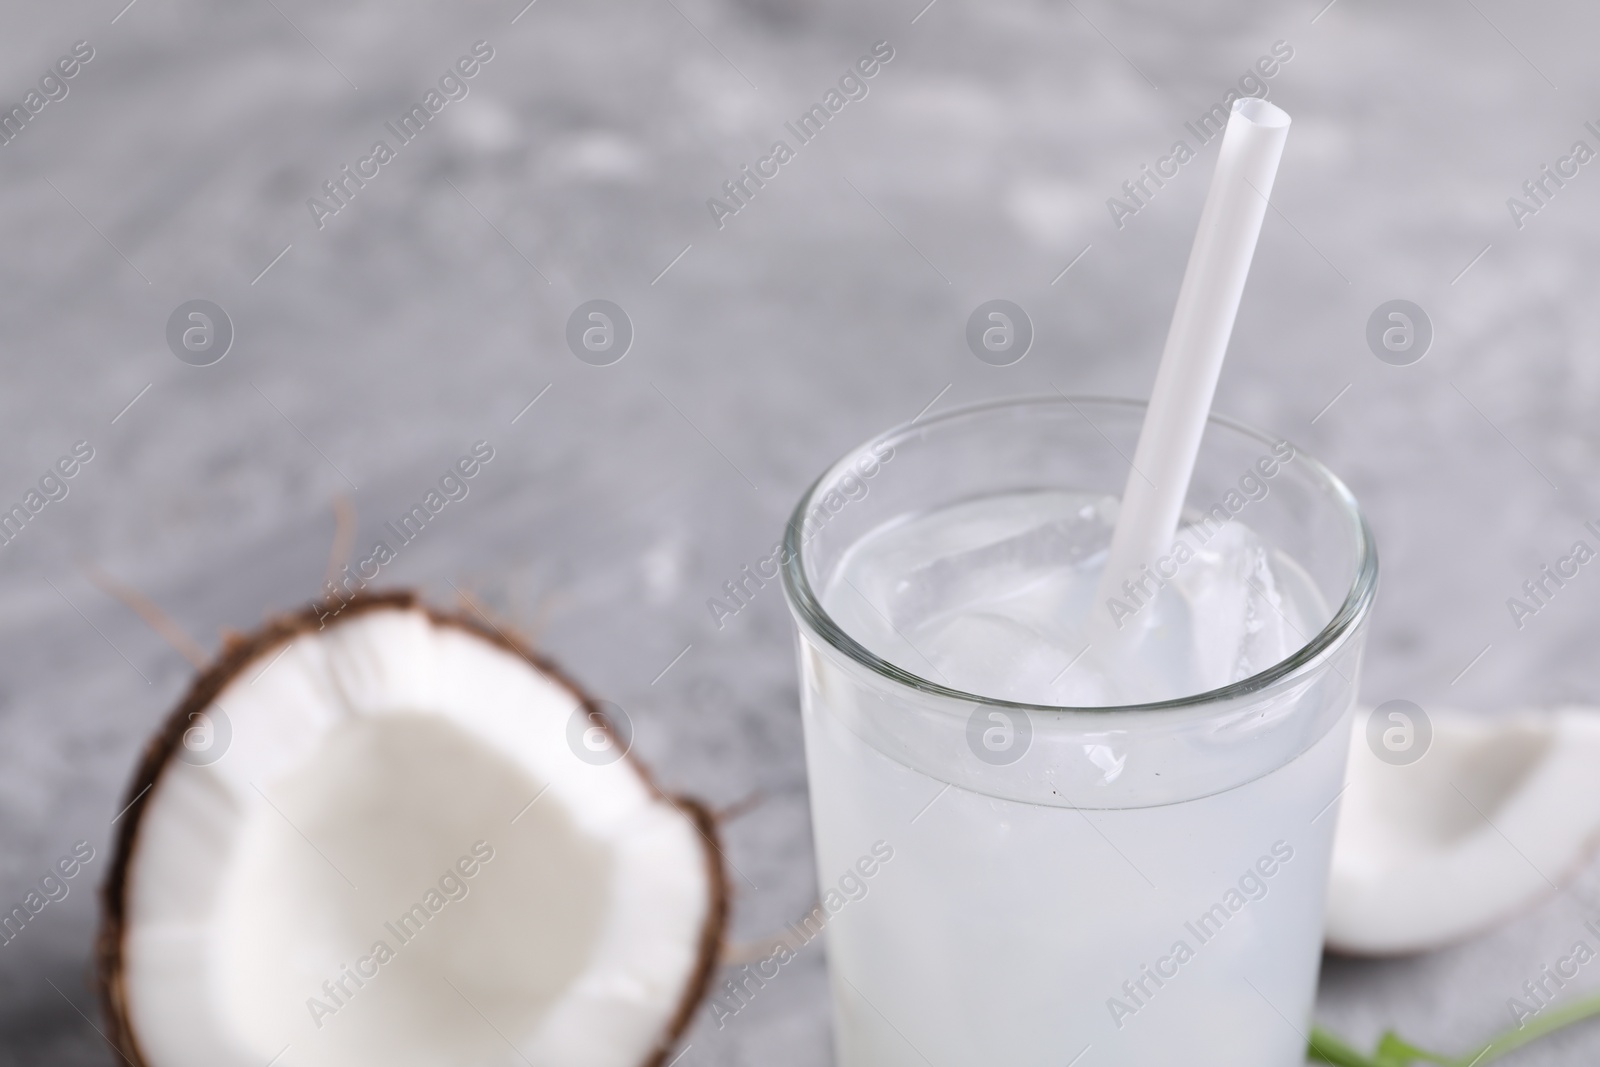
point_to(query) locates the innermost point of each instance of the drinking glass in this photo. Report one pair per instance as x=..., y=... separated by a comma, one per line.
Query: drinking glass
x=1018, y=884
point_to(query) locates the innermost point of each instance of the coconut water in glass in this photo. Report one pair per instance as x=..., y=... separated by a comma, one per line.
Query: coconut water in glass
x=1106, y=849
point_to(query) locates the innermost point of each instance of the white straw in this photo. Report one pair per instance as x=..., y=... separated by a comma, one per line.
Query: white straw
x=1186, y=380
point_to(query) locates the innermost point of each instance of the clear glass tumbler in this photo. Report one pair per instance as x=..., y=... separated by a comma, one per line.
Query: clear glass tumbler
x=1034, y=886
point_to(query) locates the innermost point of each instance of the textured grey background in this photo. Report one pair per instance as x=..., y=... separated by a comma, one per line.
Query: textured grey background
x=376, y=350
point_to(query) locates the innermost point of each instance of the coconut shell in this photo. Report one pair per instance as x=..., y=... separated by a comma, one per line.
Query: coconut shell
x=239, y=651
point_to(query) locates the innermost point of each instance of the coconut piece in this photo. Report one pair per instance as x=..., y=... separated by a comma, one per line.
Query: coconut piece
x=396, y=844
x=1494, y=816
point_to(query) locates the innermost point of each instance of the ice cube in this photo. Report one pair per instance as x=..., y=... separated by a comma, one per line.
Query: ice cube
x=1001, y=568
x=1230, y=583
x=994, y=654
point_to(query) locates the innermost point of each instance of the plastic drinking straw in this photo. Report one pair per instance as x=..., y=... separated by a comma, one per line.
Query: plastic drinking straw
x=1202, y=321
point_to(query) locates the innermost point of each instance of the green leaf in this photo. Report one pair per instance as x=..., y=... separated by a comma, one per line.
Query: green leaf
x=1546, y=1023
x=1392, y=1048
x=1395, y=1051
x=1326, y=1048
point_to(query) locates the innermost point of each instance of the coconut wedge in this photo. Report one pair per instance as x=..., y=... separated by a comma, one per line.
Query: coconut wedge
x=400, y=839
x=1495, y=814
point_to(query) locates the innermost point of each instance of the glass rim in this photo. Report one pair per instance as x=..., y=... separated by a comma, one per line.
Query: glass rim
x=809, y=611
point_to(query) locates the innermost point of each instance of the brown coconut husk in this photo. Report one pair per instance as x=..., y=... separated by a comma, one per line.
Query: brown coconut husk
x=239, y=652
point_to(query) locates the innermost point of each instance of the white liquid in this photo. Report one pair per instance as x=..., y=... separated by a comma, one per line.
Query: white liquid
x=1003, y=932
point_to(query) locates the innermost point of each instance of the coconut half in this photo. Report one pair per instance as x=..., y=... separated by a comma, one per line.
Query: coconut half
x=1495, y=815
x=400, y=840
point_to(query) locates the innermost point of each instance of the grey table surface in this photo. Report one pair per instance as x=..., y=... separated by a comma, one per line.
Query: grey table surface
x=432, y=308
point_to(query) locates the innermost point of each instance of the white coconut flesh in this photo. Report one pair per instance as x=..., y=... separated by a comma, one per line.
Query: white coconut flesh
x=1496, y=814
x=400, y=860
